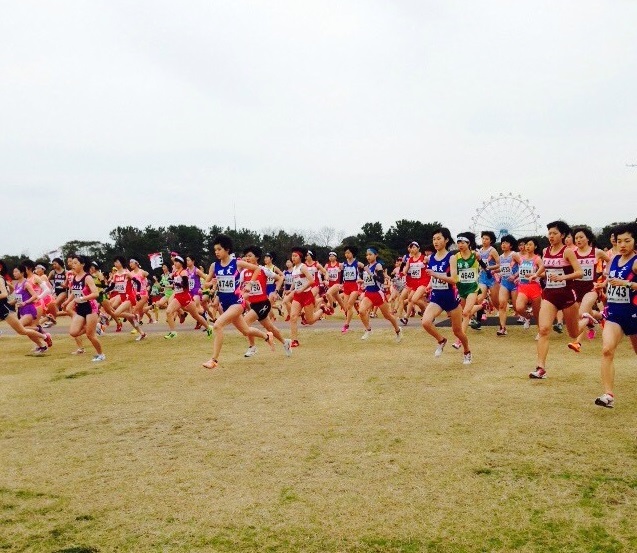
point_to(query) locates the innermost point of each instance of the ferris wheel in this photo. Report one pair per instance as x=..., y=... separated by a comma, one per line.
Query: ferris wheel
x=506, y=214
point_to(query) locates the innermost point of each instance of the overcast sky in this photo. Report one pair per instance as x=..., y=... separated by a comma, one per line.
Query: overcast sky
x=310, y=114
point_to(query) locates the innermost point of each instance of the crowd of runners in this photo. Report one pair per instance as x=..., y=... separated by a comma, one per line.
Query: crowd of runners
x=570, y=285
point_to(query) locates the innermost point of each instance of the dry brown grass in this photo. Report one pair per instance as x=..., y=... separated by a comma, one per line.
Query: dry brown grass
x=346, y=446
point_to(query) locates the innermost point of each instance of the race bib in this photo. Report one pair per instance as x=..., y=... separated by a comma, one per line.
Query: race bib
x=225, y=284
x=332, y=274
x=349, y=273
x=617, y=294
x=552, y=284
x=191, y=283
x=467, y=276
x=256, y=289
x=589, y=272
x=505, y=270
x=120, y=287
x=368, y=279
x=437, y=284
x=415, y=272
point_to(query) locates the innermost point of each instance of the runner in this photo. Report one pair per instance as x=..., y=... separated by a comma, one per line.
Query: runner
x=334, y=271
x=508, y=271
x=182, y=300
x=468, y=270
x=351, y=270
x=443, y=271
x=226, y=272
x=373, y=295
x=254, y=284
x=621, y=316
x=585, y=289
x=416, y=280
x=303, y=300
x=84, y=294
x=561, y=267
x=529, y=290
x=489, y=287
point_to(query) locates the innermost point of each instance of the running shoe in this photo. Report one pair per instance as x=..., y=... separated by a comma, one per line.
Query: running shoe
x=466, y=358
x=605, y=400
x=575, y=346
x=457, y=344
x=399, y=335
x=251, y=351
x=287, y=345
x=99, y=330
x=118, y=328
x=287, y=319
x=345, y=328
x=48, y=340
x=590, y=334
x=198, y=326
x=539, y=373
x=404, y=321
x=134, y=331
x=210, y=364
x=170, y=335
x=558, y=327
x=182, y=318
x=440, y=348
x=502, y=331
x=99, y=358
x=295, y=344
x=537, y=336
x=78, y=351
x=592, y=321
x=475, y=324
x=209, y=331
x=142, y=336
x=521, y=319
x=527, y=324
x=366, y=334
x=38, y=352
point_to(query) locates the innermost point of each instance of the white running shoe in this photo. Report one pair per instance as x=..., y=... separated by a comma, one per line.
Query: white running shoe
x=466, y=359
x=457, y=344
x=287, y=347
x=605, y=400
x=250, y=351
x=527, y=324
x=399, y=335
x=537, y=336
x=142, y=336
x=99, y=357
x=366, y=335
x=440, y=348
x=78, y=351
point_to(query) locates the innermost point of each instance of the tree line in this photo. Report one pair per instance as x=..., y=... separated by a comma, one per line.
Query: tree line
x=136, y=243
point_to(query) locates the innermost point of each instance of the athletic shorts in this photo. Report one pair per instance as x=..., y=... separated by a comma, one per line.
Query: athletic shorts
x=270, y=288
x=349, y=287
x=261, y=308
x=465, y=289
x=446, y=299
x=625, y=318
x=184, y=298
x=304, y=298
x=86, y=308
x=509, y=284
x=532, y=290
x=5, y=309
x=582, y=287
x=561, y=298
x=228, y=300
x=28, y=309
x=377, y=298
x=59, y=291
x=488, y=281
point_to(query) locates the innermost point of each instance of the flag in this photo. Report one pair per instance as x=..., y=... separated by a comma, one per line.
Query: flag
x=156, y=260
x=54, y=253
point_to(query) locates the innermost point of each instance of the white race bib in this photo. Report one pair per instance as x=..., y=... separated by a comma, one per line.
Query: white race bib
x=618, y=294
x=551, y=283
x=437, y=284
x=225, y=284
x=467, y=276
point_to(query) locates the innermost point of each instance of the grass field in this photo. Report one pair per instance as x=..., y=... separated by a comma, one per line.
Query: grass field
x=346, y=446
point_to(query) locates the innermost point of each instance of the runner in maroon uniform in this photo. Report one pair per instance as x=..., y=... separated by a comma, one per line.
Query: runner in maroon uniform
x=561, y=267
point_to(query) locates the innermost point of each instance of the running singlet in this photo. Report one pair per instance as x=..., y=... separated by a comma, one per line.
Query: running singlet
x=442, y=293
x=313, y=268
x=468, y=270
x=287, y=280
x=120, y=281
x=527, y=268
x=350, y=271
x=194, y=282
x=587, y=262
x=621, y=298
x=485, y=256
x=299, y=279
x=59, y=282
x=227, y=283
x=257, y=290
x=333, y=273
x=369, y=282
x=556, y=265
x=415, y=272
x=508, y=266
